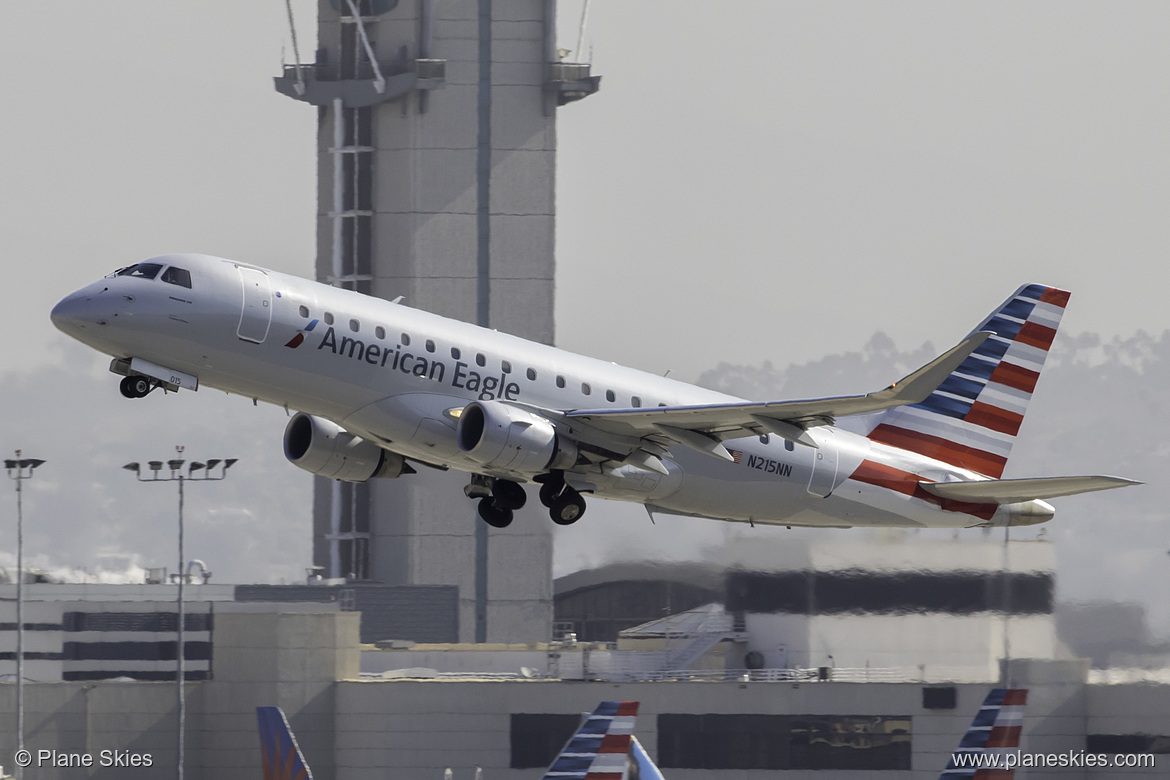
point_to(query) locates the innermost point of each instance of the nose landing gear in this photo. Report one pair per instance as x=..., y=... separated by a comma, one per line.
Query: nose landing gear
x=136, y=386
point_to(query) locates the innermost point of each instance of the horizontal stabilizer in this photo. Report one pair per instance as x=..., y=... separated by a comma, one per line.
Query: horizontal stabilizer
x=1014, y=491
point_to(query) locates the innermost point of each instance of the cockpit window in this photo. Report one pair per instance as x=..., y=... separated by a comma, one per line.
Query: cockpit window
x=179, y=276
x=141, y=270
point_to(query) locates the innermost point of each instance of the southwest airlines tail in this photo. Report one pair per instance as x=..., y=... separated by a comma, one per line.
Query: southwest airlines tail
x=973, y=417
x=600, y=748
x=280, y=755
x=994, y=733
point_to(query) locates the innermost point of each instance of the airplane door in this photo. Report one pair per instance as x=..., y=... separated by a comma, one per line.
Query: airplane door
x=256, y=313
x=824, y=472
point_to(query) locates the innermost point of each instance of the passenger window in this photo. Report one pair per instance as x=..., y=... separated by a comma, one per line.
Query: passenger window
x=455, y=353
x=355, y=326
x=406, y=339
x=585, y=388
x=789, y=445
x=141, y=270
x=532, y=374
x=328, y=318
x=430, y=346
x=506, y=367
x=179, y=276
x=609, y=396
x=380, y=332
x=560, y=381
x=635, y=402
x=304, y=311
x=764, y=439
x=480, y=360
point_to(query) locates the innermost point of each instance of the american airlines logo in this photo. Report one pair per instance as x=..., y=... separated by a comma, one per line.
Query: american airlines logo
x=299, y=339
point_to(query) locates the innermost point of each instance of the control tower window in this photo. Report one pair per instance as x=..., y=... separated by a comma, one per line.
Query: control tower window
x=179, y=276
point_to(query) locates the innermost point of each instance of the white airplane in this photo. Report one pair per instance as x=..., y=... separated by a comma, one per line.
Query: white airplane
x=378, y=386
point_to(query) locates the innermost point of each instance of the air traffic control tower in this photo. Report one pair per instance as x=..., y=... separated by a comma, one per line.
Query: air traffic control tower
x=436, y=174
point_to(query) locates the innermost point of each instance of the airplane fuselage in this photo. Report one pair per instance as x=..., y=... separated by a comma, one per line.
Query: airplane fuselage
x=400, y=378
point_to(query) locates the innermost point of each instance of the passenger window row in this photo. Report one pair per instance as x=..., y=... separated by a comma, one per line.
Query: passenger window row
x=480, y=358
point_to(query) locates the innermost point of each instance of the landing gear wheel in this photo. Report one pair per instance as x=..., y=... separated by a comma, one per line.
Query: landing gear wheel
x=568, y=508
x=508, y=494
x=135, y=386
x=549, y=492
x=496, y=517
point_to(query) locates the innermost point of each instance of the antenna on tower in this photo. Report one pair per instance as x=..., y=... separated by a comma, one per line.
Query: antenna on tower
x=300, y=85
x=580, y=52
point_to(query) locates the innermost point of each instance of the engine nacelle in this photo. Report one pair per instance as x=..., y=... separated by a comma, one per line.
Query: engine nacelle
x=502, y=436
x=327, y=450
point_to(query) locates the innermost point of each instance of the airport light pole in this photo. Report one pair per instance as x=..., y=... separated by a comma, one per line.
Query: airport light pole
x=196, y=472
x=20, y=469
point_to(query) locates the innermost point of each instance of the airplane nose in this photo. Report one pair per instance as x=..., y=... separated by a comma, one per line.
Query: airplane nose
x=73, y=312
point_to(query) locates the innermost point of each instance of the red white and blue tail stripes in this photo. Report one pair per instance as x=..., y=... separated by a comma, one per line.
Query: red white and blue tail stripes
x=599, y=749
x=994, y=733
x=973, y=417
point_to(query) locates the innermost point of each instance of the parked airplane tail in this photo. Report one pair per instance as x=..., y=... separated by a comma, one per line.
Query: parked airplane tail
x=280, y=755
x=994, y=733
x=600, y=747
x=642, y=767
x=972, y=418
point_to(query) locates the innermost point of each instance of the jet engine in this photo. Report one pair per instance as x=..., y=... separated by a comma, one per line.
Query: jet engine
x=502, y=436
x=327, y=450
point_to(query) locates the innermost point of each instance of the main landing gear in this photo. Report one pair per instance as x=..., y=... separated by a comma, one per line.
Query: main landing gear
x=500, y=498
x=565, y=505
x=136, y=386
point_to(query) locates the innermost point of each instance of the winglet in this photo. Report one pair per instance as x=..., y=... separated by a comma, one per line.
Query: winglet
x=917, y=386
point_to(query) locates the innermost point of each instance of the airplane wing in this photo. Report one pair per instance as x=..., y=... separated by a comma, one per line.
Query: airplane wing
x=1013, y=491
x=704, y=427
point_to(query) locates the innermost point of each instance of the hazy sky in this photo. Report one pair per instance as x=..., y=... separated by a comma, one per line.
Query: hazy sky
x=756, y=180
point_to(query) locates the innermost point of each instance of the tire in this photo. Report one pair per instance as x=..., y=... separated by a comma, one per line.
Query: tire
x=508, y=494
x=494, y=516
x=549, y=491
x=568, y=508
x=134, y=386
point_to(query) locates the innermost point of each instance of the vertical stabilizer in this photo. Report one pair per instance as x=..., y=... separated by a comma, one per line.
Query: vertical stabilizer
x=972, y=419
x=599, y=749
x=642, y=767
x=280, y=755
x=994, y=733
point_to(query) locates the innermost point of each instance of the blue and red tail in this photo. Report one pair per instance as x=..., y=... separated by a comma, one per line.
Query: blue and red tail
x=972, y=419
x=280, y=755
x=994, y=733
x=599, y=750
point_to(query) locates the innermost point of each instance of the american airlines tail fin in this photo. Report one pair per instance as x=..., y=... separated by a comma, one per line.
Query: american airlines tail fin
x=600, y=748
x=280, y=755
x=972, y=418
x=994, y=734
